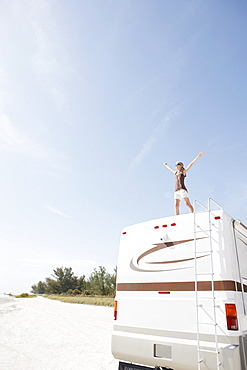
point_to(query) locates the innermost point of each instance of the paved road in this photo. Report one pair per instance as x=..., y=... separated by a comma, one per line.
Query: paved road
x=41, y=334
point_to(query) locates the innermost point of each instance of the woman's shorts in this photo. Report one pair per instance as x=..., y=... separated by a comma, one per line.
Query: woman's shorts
x=181, y=194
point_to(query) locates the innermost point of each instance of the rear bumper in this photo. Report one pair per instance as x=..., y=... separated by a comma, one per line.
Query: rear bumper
x=127, y=366
x=174, y=353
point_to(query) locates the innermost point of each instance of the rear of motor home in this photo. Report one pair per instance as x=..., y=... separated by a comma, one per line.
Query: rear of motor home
x=181, y=300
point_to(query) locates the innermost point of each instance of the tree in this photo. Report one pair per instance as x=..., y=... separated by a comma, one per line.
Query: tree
x=82, y=284
x=40, y=288
x=65, y=278
x=52, y=286
x=34, y=289
x=101, y=282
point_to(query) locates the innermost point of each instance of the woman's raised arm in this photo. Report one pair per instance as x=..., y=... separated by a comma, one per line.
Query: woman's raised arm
x=169, y=168
x=194, y=161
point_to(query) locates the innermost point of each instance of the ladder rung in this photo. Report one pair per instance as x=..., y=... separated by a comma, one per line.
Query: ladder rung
x=208, y=251
x=207, y=323
x=207, y=298
x=205, y=273
x=207, y=350
x=201, y=231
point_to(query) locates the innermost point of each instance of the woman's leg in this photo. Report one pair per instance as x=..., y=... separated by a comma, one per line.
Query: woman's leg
x=177, y=202
x=188, y=204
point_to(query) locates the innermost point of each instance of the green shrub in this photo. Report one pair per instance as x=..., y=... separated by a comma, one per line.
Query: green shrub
x=88, y=292
x=25, y=295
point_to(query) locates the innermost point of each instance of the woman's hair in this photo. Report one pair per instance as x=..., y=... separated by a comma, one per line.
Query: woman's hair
x=181, y=163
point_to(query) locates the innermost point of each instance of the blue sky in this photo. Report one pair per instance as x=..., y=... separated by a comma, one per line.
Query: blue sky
x=94, y=97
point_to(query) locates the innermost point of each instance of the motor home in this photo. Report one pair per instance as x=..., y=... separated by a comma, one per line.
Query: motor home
x=181, y=299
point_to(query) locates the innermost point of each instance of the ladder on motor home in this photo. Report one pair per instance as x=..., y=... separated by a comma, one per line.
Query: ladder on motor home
x=201, y=309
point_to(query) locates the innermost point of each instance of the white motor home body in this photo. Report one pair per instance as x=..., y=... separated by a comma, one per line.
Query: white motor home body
x=181, y=299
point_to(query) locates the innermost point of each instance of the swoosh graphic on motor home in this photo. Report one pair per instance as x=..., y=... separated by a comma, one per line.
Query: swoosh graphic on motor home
x=159, y=246
x=176, y=261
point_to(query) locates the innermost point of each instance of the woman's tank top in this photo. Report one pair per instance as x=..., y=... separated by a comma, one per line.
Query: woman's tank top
x=179, y=181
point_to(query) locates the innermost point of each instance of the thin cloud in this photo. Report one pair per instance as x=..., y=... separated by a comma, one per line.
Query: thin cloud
x=14, y=141
x=147, y=146
x=54, y=210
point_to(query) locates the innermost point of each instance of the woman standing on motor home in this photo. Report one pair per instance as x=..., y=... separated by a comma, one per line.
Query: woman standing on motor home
x=180, y=189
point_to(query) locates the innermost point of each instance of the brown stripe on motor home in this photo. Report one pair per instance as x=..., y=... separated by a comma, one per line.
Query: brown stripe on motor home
x=225, y=285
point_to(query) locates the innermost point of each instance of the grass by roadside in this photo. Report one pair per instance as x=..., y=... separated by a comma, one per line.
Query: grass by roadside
x=24, y=295
x=97, y=300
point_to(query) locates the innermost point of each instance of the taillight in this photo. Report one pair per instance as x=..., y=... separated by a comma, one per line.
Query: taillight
x=231, y=316
x=115, y=310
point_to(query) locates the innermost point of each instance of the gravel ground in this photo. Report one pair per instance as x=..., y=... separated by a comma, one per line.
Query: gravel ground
x=41, y=334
